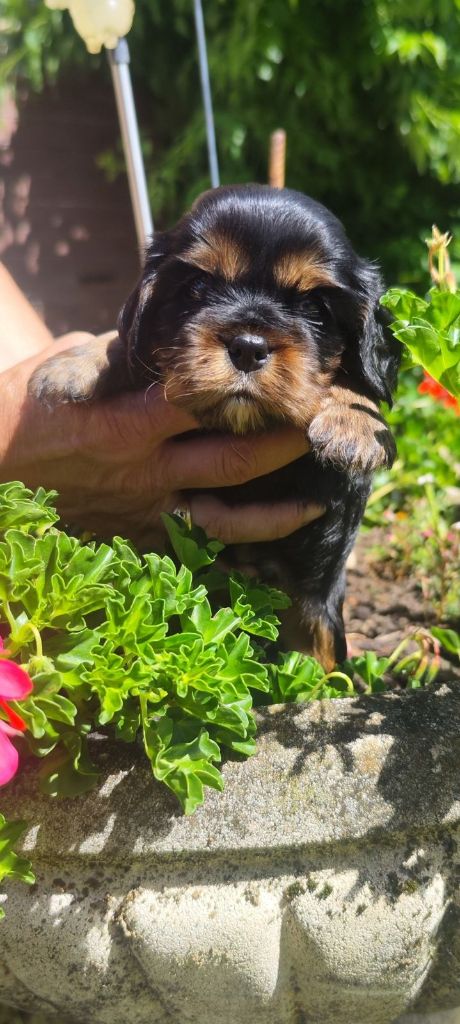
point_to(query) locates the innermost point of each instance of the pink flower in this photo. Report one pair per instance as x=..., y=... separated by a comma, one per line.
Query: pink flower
x=15, y=684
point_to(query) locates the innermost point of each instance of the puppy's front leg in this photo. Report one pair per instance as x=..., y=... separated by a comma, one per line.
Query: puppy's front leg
x=94, y=370
x=350, y=432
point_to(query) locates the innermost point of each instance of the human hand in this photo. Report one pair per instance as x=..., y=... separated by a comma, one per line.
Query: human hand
x=119, y=463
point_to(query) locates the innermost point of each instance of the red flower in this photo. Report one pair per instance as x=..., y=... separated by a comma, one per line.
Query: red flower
x=15, y=684
x=440, y=394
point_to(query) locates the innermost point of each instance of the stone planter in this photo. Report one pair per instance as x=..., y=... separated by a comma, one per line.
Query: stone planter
x=321, y=886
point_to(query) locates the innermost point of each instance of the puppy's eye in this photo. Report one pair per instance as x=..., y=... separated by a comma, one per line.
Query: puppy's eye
x=198, y=288
x=315, y=304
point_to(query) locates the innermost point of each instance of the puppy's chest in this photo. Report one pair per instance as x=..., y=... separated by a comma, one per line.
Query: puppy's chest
x=303, y=480
x=315, y=551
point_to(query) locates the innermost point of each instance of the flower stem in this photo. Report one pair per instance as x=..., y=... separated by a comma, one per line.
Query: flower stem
x=38, y=639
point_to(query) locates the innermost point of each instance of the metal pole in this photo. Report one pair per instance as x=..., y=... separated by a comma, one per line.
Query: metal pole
x=119, y=66
x=206, y=91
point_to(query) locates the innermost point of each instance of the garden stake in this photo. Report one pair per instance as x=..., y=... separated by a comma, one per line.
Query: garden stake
x=277, y=159
x=121, y=78
x=206, y=92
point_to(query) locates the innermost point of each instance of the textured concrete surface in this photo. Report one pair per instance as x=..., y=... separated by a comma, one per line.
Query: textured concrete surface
x=322, y=885
x=444, y=1017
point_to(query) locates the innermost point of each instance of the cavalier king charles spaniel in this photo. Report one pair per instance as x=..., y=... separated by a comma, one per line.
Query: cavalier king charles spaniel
x=255, y=311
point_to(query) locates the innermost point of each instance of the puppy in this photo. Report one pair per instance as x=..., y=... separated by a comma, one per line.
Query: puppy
x=255, y=311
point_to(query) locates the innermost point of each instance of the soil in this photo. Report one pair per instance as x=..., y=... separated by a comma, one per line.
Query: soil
x=381, y=610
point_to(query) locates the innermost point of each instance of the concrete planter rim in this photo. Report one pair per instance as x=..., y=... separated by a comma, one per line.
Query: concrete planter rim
x=393, y=747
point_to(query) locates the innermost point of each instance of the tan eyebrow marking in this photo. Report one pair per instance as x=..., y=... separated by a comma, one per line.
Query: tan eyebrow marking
x=218, y=254
x=301, y=270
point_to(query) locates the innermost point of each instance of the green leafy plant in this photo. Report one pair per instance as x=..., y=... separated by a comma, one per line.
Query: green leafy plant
x=12, y=865
x=110, y=639
x=424, y=543
x=429, y=328
x=177, y=654
x=423, y=522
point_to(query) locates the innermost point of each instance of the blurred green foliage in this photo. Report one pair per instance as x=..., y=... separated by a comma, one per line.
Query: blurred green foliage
x=368, y=92
x=416, y=504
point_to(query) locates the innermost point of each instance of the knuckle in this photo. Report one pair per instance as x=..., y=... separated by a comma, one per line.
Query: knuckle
x=76, y=338
x=151, y=482
x=237, y=463
x=165, y=476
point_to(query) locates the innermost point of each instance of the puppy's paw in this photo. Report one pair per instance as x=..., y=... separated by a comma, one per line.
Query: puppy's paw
x=81, y=374
x=354, y=438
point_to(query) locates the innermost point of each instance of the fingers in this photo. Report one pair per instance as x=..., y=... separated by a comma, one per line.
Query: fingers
x=165, y=420
x=148, y=416
x=246, y=523
x=223, y=461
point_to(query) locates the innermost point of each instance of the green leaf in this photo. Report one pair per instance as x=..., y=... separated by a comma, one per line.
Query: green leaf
x=371, y=668
x=295, y=677
x=128, y=722
x=70, y=771
x=254, y=604
x=187, y=767
x=213, y=628
x=448, y=638
x=12, y=865
x=430, y=328
x=20, y=507
x=191, y=544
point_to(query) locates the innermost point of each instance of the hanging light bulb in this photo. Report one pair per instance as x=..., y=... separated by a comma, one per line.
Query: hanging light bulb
x=102, y=23
x=99, y=22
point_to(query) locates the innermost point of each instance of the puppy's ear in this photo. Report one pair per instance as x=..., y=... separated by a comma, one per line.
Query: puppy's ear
x=375, y=353
x=131, y=316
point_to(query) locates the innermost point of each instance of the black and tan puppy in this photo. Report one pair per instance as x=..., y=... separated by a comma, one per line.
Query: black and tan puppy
x=255, y=311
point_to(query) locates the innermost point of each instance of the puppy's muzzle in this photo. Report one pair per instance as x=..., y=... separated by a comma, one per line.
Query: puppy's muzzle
x=248, y=352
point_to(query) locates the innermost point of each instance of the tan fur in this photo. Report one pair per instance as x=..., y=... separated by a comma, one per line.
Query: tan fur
x=323, y=645
x=76, y=374
x=201, y=379
x=304, y=631
x=302, y=270
x=220, y=255
x=348, y=429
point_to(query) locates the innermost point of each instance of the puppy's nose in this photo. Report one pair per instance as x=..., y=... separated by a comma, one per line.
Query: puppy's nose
x=248, y=352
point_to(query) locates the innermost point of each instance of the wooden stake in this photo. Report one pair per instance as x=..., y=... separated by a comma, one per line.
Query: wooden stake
x=277, y=159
